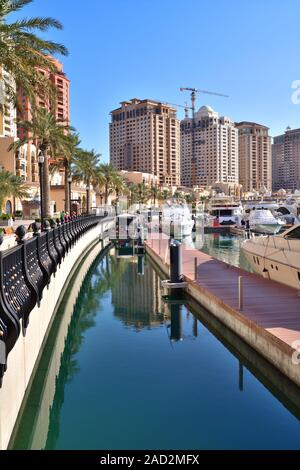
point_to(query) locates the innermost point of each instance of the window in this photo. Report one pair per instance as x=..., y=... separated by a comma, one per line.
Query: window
x=293, y=234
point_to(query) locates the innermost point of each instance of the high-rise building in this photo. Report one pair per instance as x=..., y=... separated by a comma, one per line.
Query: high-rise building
x=8, y=127
x=145, y=137
x=255, y=162
x=286, y=160
x=61, y=110
x=215, y=149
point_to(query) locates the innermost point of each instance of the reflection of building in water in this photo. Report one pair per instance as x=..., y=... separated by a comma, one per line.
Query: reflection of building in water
x=139, y=303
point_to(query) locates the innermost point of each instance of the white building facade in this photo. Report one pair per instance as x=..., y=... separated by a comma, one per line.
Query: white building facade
x=215, y=149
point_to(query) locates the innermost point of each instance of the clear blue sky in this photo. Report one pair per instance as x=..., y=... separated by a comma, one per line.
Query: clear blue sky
x=120, y=49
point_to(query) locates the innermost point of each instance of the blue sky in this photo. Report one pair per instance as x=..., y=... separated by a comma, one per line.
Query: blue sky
x=120, y=49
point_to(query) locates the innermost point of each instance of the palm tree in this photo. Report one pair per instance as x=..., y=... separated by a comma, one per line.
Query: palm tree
x=119, y=186
x=23, y=53
x=11, y=185
x=155, y=194
x=50, y=138
x=85, y=164
x=69, y=146
x=165, y=194
x=107, y=175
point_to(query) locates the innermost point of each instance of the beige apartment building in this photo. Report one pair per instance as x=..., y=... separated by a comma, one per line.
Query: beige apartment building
x=255, y=163
x=215, y=151
x=145, y=137
x=286, y=160
x=8, y=127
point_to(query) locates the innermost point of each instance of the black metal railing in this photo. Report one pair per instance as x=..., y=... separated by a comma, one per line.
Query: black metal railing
x=25, y=271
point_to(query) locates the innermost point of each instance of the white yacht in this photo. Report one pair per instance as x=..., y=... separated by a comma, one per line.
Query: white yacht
x=276, y=257
x=176, y=219
x=291, y=206
x=263, y=221
x=226, y=210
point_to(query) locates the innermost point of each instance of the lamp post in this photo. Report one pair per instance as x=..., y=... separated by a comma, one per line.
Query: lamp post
x=70, y=193
x=117, y=200
x=41, y=160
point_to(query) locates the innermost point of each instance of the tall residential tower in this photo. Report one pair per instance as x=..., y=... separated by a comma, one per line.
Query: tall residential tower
x=145, y=137
x=216, y=149
x=255, y=164
x=286, y=160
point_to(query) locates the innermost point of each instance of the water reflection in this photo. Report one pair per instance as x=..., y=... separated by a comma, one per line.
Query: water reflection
x=138, y=303
x=226, y=248
x=117, y=389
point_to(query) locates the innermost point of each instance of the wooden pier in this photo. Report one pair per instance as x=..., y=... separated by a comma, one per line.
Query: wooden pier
x=269, y=317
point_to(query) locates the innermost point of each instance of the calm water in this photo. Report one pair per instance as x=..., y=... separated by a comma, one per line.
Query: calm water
x=135, y=372
x=223, y=247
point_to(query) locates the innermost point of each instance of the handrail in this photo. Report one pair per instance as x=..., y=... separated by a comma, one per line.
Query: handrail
x=25, y=271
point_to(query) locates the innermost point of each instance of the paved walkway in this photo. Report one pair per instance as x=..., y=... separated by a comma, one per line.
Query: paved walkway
x=269, y=304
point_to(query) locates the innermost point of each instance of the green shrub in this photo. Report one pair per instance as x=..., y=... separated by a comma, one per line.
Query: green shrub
x=5, y=216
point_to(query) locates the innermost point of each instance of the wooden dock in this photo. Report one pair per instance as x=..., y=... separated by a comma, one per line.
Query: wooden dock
x=270, y=317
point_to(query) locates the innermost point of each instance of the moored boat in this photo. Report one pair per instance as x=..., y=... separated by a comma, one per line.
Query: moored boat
x=263, y=221
x=276, y=257
x=176, y=219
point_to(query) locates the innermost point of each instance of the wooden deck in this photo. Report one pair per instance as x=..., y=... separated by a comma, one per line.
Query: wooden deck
x=268, y=304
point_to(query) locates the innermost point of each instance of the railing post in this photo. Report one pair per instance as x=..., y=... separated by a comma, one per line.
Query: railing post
x=195, y=268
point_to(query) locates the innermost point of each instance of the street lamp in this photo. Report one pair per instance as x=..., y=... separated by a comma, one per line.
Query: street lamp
x=117, y=200
x=70, y=193
x=41, y=160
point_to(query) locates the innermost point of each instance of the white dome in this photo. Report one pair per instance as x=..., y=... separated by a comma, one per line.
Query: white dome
x=205, y=110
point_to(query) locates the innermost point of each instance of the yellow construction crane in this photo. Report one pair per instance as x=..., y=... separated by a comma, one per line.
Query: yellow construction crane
x=192, y=107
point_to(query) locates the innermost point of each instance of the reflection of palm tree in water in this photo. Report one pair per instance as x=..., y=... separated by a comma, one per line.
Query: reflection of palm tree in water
x=97, y=282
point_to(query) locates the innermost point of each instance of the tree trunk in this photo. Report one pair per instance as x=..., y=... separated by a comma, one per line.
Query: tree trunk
x=106, y=192
x=67, y=193
x=46, y=187
x=88, y=202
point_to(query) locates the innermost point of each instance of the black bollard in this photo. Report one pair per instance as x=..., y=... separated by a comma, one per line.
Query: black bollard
x=175, y=261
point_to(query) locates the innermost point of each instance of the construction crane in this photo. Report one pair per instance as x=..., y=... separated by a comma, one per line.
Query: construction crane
x=192, y=107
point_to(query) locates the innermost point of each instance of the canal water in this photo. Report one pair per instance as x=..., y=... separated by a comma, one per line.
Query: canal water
x=225, y=247
x=138, y=372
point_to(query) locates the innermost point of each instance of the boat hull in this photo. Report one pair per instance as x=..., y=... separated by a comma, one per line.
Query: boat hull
x=274, y=258
x=270, y=229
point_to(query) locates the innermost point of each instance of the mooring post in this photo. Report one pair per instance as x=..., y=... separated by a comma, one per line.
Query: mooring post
x=175, y=261
x=195, y=268
x=240, y=292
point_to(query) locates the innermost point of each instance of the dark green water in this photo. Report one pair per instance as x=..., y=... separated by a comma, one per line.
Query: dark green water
x=135, y=372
